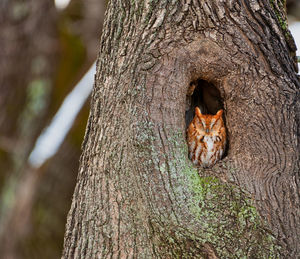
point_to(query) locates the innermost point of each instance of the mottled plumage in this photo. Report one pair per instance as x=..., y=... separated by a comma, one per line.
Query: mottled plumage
x=206, y=136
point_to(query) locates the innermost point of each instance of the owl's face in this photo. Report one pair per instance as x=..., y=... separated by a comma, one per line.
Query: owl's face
x=206, y=138
x=209, y=126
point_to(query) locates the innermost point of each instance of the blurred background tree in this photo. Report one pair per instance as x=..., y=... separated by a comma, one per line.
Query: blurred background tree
x=44, y=52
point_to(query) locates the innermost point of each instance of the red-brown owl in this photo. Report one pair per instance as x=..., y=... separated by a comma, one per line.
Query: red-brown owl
x=206, y=136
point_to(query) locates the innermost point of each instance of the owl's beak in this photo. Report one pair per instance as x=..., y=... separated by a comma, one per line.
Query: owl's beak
x=207, y=130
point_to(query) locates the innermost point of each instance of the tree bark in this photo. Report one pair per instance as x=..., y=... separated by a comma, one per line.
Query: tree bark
x=138, y=195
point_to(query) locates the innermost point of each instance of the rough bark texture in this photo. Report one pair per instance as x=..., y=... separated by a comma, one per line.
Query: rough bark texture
x=138, y=195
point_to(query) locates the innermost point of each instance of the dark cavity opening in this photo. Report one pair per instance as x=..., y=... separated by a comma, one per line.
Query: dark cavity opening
x=204, y=95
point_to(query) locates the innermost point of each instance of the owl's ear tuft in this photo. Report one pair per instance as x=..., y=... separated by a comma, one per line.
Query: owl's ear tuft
x=219, y=113
x=198, y=112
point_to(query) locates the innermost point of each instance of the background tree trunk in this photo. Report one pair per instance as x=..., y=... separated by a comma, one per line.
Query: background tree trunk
x=137, y=194
x=43, y=53
x=29, y=48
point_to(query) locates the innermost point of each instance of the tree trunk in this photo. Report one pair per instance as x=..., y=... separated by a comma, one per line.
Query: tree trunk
x=138, y=195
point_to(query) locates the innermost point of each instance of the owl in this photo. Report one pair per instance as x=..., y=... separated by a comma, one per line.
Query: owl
x=206, y=137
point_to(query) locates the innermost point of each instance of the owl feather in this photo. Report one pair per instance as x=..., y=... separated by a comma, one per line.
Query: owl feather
x=206, y=136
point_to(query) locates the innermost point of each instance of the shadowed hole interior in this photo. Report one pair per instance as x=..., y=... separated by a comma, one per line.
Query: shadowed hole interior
x=204, y=95
x=207, y=97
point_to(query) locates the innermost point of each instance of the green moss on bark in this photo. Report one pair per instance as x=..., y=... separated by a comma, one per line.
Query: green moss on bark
x=229, y=221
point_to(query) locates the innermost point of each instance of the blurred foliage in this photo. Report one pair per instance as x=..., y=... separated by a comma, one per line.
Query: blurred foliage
x=36, y=101
x=41, y=62
x=55, y=193
x=71, y=62
x=293, y=8
x=27, y=64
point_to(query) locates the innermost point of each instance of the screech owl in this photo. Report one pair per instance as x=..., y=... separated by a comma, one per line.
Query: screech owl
x=206, y=136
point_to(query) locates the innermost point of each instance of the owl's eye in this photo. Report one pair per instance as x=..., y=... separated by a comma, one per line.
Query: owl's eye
x=218, y=138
